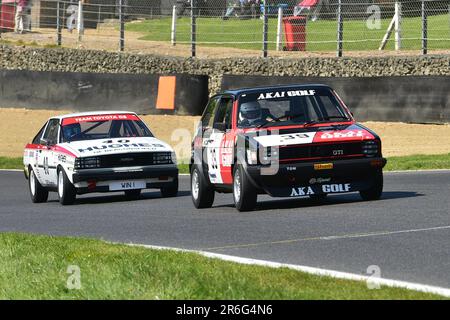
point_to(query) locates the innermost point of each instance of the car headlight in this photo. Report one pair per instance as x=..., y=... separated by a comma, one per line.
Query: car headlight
x=87, y=163
x=252, y=156
x=370, y=148
x=162, y=158
x=174, y=157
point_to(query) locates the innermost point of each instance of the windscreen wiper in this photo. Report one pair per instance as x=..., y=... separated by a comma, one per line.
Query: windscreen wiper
x=279, y=119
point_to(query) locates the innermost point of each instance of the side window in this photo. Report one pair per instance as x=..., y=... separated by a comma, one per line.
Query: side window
x=208, y=115
x=51, y=133
x=37, y=138
x=224, y=112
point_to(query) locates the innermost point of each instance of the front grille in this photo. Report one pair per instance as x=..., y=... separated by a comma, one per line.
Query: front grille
x=135, y=159
x=320, y=152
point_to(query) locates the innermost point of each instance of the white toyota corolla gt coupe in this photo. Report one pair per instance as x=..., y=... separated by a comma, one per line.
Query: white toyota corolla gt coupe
x=98, y=152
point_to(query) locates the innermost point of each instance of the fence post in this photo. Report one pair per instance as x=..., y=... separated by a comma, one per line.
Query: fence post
x=265, y=29
x=173, y=34
x=424, y=29
x=398, y=23
x=340, y=29
x=193, y=30
x=80, y=26
x=58, y=24
x=122, y=26
x=279, y=28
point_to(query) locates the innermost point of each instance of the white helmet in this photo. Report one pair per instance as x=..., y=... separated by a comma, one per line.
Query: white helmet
x=250, y=111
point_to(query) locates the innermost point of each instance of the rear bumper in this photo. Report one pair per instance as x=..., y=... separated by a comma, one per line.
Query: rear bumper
x=300, y=179
x=131, y=173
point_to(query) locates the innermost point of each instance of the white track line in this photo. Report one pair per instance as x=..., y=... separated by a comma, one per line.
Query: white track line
x=11, y=170
x=328, y=238
x=311, y=270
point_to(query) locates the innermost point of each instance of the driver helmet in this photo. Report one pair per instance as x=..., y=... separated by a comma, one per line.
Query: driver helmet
x=250, y=111
x=71, y=130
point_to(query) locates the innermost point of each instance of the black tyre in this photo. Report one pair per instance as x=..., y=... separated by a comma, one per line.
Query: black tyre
x=202, y=194
x=244, y=194
x=38, y=193
x=375, y=192
x=133, y=194
x=66, y=190
x=171, y=190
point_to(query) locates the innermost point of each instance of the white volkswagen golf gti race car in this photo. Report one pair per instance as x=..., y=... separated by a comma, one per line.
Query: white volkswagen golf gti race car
x=98, y=152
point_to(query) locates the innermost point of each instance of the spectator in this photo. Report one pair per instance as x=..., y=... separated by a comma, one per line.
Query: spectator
x=232, y=8
x=20, y=17
x=72, y=20
x=27, y=21
x=312, y=6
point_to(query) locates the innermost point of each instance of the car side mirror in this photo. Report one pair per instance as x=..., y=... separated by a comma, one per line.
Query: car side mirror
x=220, y=126
x=45, y=142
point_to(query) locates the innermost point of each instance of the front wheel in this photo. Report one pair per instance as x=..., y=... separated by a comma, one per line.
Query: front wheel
x=375, y=192
x=202, y=194
x=244, y=193
x=37, y=192
x=66, y=190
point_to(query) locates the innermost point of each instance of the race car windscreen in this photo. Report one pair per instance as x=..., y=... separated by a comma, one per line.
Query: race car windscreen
x=103, y=127
x=290, y=107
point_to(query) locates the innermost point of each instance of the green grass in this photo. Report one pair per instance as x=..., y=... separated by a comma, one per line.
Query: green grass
x=418, y=162
x=414, y=162
x=247, y=34
x=35, y=267
x=11, y=163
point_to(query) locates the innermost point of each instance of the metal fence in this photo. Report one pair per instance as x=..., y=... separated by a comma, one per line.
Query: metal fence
x=235, y=27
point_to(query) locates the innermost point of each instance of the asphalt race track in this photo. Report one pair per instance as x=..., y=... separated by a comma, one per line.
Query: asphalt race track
x=406, y=234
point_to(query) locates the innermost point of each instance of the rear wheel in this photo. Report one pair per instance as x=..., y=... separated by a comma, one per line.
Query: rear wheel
x=66, y=190
x=171, y=190
x=37, y=192
x=202, y=194
x=133, y=194
x=244, y=193
x=375, y=192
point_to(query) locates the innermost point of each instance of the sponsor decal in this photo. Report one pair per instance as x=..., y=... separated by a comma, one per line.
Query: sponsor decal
x=286, y=139
x=342, y=135
x=62, y=158
x=326, y=188
x=336, y=188
x=323, y=166
x=302, y=191
x=94, y=118
x=115, y=146
x=282, y=94
x=319, y=180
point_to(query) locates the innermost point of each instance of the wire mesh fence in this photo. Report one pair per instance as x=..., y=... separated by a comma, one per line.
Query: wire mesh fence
x=233, y=27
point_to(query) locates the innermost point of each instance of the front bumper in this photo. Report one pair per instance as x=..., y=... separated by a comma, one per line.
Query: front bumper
x=303, y=178
x=156, y=176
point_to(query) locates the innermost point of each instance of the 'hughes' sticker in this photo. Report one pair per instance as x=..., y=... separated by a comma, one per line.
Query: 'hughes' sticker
x=286, y=139
x=119, y=146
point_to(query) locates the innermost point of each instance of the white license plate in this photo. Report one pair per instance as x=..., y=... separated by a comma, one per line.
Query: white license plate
x=126, y=185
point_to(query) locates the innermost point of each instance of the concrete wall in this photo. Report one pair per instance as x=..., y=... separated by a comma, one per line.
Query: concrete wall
x=94, y=91
x=85, y=61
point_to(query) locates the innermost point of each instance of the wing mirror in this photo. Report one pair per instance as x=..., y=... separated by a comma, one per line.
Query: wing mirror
x=45, y=142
